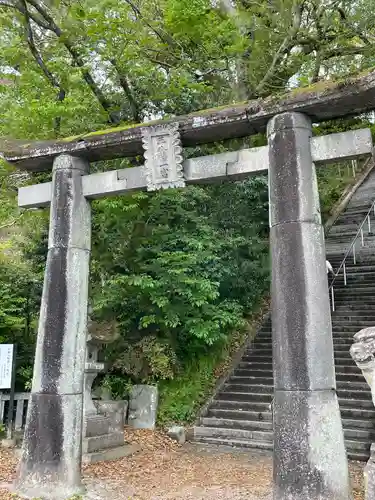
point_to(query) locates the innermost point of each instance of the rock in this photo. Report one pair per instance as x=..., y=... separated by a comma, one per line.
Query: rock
x=9, y=443
x=143, y=404
x=177, y=432
x=369, y=474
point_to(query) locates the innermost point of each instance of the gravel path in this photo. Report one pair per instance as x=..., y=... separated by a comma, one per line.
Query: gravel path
x=163, y=470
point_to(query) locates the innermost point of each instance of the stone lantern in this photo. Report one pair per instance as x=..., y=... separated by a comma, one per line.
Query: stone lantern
x=103, y=436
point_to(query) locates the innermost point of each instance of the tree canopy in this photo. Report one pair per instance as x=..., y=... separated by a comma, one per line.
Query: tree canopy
x=72, y=66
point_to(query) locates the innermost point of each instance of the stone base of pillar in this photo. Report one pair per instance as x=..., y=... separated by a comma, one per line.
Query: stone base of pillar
x=309, y=450
x=51, y=471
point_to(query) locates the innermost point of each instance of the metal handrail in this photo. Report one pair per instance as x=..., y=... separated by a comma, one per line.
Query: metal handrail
x=352, y=248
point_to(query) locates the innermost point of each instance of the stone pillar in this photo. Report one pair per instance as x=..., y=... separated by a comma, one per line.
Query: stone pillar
x=50, y=466
x=309, y=454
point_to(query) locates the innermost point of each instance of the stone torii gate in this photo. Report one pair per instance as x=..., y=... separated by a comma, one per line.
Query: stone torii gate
x=309, y=454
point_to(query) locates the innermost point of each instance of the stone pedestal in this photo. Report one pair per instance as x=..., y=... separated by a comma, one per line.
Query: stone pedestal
x=309, y=454
x=104, y=433
x=50, y=465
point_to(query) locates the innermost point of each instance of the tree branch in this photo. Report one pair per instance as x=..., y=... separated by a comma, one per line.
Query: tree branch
x=19, y=7
x=136, y=114
x=285, y=46
x=52, y=26
x=139, y=14
x=40, y=62
x=37, y=55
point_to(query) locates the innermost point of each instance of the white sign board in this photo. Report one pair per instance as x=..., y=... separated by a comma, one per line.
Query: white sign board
x=6, y=361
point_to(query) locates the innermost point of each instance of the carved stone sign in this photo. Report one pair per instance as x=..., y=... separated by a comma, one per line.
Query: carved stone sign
x=163, y=159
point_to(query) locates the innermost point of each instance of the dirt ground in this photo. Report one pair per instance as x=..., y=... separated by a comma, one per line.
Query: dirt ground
x=164, y=470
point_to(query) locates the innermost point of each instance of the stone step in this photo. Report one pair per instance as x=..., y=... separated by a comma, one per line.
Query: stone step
x=355, y=300
x=349, y=291
x=359, y=434
x=349, y=377
x=260, y=425
x=252, y=406
x=258, y=365
x=236, y=443
x=231, y=413
x=354, y=307
x=349, y=370
x=259, y=353
x=354, y=450
x=260, y=345
x=350, y=327
x=255, y=373
x=339, y=319
x=253, y=397
x=358, y=456
x=251, y=378
x=98, y=443
x=357, y=445
x=350, y=403
x=109, y=454
x=343, y=346
x=231, y=433
x=352, y=313
x=358, y=424
x=356, y=280
x=342, y=353
x=353, y=385
x=241, y=384
x=354, y=394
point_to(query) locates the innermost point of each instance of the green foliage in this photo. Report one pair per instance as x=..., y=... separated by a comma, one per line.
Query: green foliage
x=173, y=281
x=180, y=399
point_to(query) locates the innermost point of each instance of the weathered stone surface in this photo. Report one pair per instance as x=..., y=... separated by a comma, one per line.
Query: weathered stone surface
x=177, y=433
x=292, y=179
x=232, y=165
x=369, y=474
x=309, y=455
x=207, y=126
x=310, y=461
x=143, y=403
x=116, y=412
x=162, y=152
x=97, y=443
x=51, y=455
x=363, y=351
x=111, y=453
x=331, y=147
x=302, y=347
x=96, y=425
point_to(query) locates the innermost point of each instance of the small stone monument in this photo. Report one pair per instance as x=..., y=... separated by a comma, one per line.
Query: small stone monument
x=103, y=430
x=362, y=352
x=143, y=405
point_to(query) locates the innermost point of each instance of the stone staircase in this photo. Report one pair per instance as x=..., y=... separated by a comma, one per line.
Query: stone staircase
x=240, y=415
